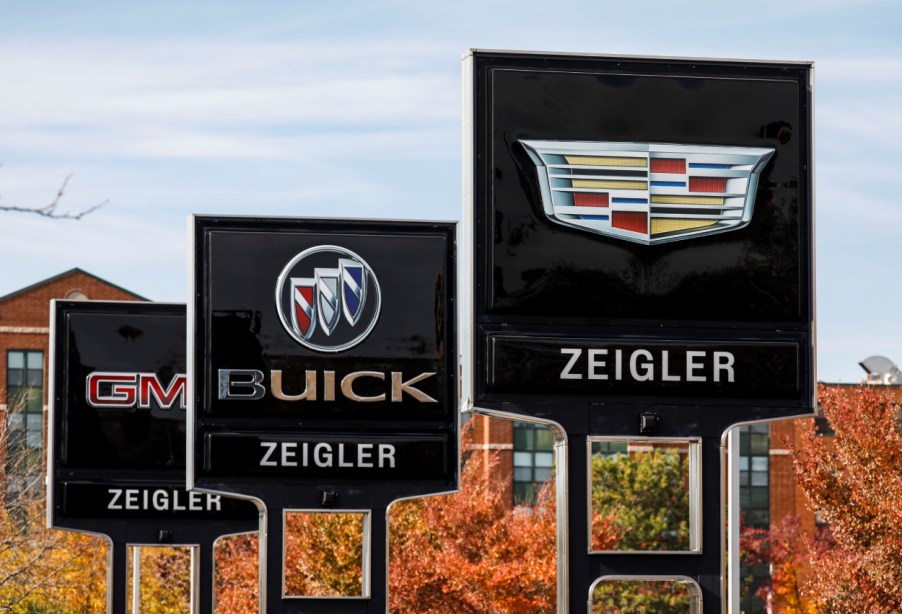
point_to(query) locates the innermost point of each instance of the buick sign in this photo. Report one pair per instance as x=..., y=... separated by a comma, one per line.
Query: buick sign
x=322, y=350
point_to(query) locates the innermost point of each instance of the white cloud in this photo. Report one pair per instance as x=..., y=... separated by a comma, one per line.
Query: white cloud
x=861, y=127
x=207, y=101
x=217, y=84
x=123, y=249
x=124, y=238
x=365, y=119
x=879, y=70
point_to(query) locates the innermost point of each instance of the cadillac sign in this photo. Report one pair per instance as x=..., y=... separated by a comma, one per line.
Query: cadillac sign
x=641, y=234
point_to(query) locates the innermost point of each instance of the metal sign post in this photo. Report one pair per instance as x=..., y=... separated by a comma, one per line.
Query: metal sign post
x=641, y=235
x=136, y=580
x=322, y=375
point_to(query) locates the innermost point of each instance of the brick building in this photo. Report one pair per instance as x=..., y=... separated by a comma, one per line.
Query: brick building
x=786, y=496
x=24, y=348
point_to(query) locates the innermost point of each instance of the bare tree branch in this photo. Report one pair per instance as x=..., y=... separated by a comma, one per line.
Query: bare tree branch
x=50, y=210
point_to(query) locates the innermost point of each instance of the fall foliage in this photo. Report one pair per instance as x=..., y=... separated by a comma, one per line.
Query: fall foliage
x=236, y=582
x=640, y=500
x=464, y=552
x=628, y=596
x=470, y=552
x=854, y=480
x=853, y=562
x=165, y=579
x=41, y=569
x=787, y=549
x=324, y=554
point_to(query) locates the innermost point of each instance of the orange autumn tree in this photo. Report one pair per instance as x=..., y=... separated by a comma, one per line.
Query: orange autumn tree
x=165, y=579
x=470, y=552
x=855, y=481
x=41, y=570
x=236, y=581
x=324, y=554
x=463, y=552
x=786, y=548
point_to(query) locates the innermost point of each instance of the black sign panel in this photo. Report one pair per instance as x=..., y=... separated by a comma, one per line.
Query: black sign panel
x=623, y=205
x=324, y=352
x=120, y=413
x=93, y=500
x=618, y=369
x=423, y=457
x=116, y=450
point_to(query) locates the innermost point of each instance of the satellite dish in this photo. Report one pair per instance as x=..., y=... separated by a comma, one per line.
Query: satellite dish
x=881, y=370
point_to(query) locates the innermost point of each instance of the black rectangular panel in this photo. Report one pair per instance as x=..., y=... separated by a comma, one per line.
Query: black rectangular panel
x=315, y=331
x=652, y=201
x=361, y=457
x=131, y=501
x=538, y=266
x=116, y=450
x=246, y=330
x=685, y=371
x=124, y=387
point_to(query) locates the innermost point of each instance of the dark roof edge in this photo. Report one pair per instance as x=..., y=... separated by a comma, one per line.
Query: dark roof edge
x=66, y=274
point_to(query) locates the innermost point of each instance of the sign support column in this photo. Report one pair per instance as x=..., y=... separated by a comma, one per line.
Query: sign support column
x=119, y=367
x=641, y=240
x=323, y=376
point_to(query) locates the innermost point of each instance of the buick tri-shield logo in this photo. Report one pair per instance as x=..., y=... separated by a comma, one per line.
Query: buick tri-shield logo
x=328, y=298
x=648, y=192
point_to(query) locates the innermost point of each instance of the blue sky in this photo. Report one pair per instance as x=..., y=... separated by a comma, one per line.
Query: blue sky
x=352, y=109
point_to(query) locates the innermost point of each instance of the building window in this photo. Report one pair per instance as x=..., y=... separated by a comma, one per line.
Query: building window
x=533, y=461
x=754, y=500
x=754, y=474
x=25, y=390
x=610, y=448
x=822, y=426
x=25, y=421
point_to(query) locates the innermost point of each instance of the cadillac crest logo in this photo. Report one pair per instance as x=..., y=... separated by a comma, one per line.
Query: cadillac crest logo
x=647, y=192
x=328, y=298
